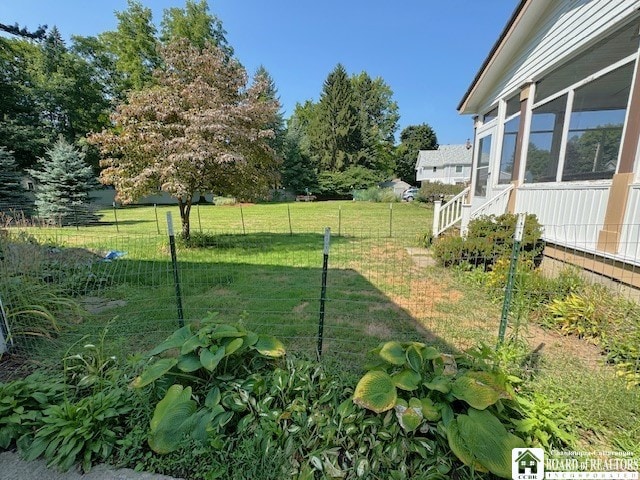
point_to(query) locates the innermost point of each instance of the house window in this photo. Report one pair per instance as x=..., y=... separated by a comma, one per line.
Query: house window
x=434, y=169
x=30, y=186
x=544, y=141
x=579, y=112
x=607, y=52
x=508, y=155
x=595, y=126
x=490, y=115
x=458, y=168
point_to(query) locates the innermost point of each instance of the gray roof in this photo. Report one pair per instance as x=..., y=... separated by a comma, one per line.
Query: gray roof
x=445, y=155
x=396, y=182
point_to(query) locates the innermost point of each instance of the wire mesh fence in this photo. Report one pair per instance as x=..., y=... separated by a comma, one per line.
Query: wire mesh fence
x=61, y=287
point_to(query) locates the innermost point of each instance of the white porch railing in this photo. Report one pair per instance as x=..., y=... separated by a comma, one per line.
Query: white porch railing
x=447, y=215
x=496, y=205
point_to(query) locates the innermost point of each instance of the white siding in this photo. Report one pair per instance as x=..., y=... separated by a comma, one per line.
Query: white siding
x=572, y=214
x=565, y=28
x=630, y=239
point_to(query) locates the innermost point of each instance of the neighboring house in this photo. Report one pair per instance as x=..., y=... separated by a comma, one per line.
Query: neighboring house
x=448, y=164
x=398, y=186
x=556, y=109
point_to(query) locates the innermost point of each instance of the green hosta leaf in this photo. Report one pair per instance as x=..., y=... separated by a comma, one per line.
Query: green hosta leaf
x=175, y=340
x=172, y=419
x=407, y=379
x=233, y=346
x=191, y=344
x=439, y=383
x=479, y=439
x=429, y=410
x=393, y=353
x=213, y=398
x=376, y=391
x=479, y=389
x=269, y=346
x=414, y=358
x=251, y=339
x=225, y=331
x=154, y=372
x=189, y=362
x=409, y=417
x=210, y=357
x=429, y=353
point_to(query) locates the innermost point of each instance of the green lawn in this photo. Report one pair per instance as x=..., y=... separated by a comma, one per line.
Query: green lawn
x=268, y=276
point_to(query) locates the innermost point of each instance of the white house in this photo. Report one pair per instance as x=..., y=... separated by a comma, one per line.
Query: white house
x=556, y=110
x=448, y=164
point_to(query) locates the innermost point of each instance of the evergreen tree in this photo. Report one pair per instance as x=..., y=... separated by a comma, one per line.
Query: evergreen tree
x=378, y=118
x=65, y=180
x=336, y=136
x=12, y=195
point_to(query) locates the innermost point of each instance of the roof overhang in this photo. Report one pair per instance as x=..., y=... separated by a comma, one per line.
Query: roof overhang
x=522, y=21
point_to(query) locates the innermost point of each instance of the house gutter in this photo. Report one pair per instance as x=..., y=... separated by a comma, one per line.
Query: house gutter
x=506, y=33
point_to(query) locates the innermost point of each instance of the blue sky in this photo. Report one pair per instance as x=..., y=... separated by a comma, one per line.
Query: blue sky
x=427, y=51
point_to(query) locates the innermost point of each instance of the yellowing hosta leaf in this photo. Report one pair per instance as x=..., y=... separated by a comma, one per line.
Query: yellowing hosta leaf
x=488, y=440
x=376, y=391
x=479, y=389
x=393, y=353
x=407, y=379
x=409, y=418
x=233, y=345
x=171, y=419
x=269, y=346
x=429, y=410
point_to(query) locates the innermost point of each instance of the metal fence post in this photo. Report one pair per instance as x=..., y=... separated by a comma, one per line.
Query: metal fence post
x=517, y=239
x=115, y=217
x=323, y=291
x=174, y=263
x=390, y=220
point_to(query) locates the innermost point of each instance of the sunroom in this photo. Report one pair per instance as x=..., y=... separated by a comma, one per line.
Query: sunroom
x=556, y=110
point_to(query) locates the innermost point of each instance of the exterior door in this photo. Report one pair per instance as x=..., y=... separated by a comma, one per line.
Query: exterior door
x=482, y=171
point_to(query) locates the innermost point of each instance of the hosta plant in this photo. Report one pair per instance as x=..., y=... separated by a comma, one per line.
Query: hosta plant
x=434, y=392
x=217, y=360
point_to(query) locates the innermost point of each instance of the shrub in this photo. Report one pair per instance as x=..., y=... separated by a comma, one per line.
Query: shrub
x=431, y=191
x=488, y=239
x=376, y=194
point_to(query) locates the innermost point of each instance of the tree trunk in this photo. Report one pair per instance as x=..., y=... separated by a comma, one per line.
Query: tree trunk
x=185, y=211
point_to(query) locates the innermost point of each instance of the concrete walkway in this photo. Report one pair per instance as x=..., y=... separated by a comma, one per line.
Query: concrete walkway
x=13, y=468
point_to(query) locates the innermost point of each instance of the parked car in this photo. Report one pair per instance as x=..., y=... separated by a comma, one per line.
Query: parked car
x=410, y=194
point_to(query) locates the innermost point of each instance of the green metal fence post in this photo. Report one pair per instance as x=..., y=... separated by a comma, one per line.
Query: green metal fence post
x=174, y=263
x=517, y=240
x=323, y=291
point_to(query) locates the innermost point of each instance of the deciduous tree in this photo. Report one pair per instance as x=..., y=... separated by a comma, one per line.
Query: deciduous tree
x=201, y=128
x=196, y=24
x=413, y=139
